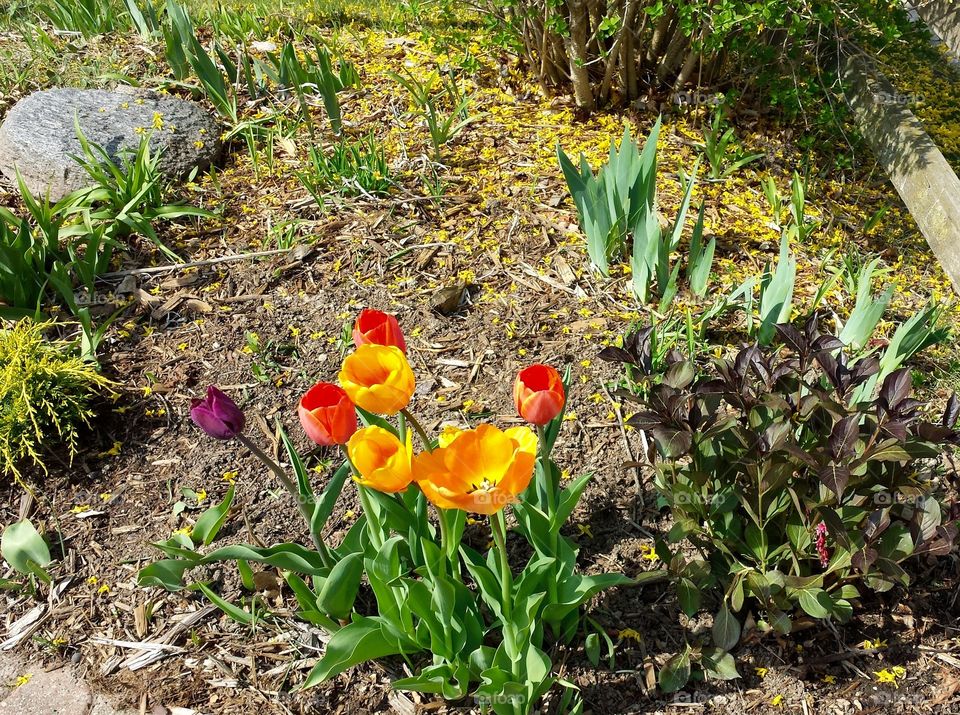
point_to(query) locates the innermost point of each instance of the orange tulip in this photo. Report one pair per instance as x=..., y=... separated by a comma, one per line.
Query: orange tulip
x=377, y=328
x=378, y=378
x=382, y=461
x=480, y=470
x=327, y=415
x=538, y=394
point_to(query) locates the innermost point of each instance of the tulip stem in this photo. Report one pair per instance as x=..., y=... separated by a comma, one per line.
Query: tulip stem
x=549, y=488
x=418, y=428
x=305, y=502
x=499, y=528
x=546, y=470
x=446, y=567
x=374, y=530
x=376, y=535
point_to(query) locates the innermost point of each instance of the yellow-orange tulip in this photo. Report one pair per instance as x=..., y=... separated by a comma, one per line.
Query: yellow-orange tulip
x=382, y=461
x=378, y=378
x=480, y=470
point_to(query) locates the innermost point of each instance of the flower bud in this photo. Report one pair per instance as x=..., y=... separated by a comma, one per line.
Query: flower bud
x=217, y=415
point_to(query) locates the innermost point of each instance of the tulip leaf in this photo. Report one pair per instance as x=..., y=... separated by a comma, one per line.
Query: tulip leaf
x=577, y=590
x=210, y=522
x=456, y=523
x=450, y=680
x=166, y=573
x=369, y=419
x=552, y=430
x=364, y=639
x=390, y=512
x=569, y=498
x=307, y=601
x=289, y=557
x=323, y=508
x=424, y=605
x=340, y=589
x=487, y=583
x=231, y=609
x=534, y=525
x=246, y=575
x=353, y=541
x=24, y=549
x=303, y=478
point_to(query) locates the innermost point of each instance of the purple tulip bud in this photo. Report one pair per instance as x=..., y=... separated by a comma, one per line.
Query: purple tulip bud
x=217, y=415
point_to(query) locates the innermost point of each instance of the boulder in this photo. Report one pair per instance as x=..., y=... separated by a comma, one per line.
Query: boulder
x=39, y=138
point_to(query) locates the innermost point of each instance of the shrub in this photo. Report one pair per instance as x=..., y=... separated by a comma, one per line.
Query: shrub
x=608, y=50
x=798, y=490
x=45, y=395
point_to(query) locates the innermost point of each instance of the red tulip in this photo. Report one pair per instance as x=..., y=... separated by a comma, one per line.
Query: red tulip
x=217, y=415
x=378, y=328
x=538, y=394
x=327, y=415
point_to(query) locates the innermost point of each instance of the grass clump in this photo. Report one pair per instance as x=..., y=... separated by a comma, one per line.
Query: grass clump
x=45, y=395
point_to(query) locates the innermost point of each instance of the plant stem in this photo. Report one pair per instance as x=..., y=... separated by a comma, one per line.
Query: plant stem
x=418, y=428
x=543, y=456
x=375, y=531
x=444, y=540
x=305, y=502
x=444, y=564
x=499, y=528
x=402, y=428
x=552, y=538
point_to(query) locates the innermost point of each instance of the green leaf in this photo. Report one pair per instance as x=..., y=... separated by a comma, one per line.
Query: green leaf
x=364, y=639
x=323, y=507
x=689, y=596
x=25, y=550
x=246, y=575
x=289, y=557
x=591, y=646
x=675, y=672
x=776, y=292
x=450, y=680
x=569, y=498
x=726, y=629
x=339, y=591
x=303, y=477
x=210, y=522
x=231, y=609
x=166, y=573
x=816, y=602
x=718, y=664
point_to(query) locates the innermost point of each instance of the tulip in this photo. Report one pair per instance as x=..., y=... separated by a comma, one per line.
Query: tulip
x=381, y=461
x=538, y=394
x=374, y=327
x=327, y=415
x=378, y=379
x=217, y=415
x=480, y=470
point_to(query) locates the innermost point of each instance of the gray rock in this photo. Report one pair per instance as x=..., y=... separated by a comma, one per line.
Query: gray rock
x=38, y=135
